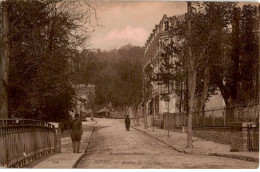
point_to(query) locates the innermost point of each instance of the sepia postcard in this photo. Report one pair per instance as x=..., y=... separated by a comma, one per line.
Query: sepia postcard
x=129, y=84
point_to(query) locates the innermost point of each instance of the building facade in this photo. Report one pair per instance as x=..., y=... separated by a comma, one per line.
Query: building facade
x=84, y=97
x=155, y=90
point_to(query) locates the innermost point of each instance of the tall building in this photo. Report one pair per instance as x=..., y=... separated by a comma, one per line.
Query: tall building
x=155, y=90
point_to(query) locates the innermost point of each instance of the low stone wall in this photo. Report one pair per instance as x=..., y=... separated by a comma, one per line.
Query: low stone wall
x=241, y=136
x=237, y=141
x=216, y=134
x=219, y=135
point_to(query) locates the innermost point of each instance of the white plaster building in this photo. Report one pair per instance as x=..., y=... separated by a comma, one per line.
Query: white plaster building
x=152, y=60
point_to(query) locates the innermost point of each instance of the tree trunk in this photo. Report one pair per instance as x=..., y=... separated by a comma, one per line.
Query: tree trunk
x=230, y=111
x=192, y=86
x=202, y=100
x=231, y=98
x=4, y=65
x=258, y=60
x=145, y=117
x=191, y=81
x=205, y=88
x=235, y=55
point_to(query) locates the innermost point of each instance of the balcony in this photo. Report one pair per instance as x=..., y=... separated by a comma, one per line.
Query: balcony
x=148, y=58
x=162, y=90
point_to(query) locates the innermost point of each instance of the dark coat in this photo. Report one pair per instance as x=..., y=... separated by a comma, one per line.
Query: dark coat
x=127, y=121
x=76, y=129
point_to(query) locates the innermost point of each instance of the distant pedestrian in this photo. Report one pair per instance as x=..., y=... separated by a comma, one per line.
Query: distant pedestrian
x=127, y=122
x=76, y=132
x=92, y=115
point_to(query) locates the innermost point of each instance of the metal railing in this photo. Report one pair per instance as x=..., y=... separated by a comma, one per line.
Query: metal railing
x=250, y=113
x=22, y=141
x=253, y=138
x=222, y=116
x=212, y=117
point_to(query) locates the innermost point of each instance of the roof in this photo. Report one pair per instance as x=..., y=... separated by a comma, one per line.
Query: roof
x=171, y=19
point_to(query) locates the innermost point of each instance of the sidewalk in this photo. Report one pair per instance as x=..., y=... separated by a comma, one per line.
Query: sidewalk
x=67, y=159
x=178, y=142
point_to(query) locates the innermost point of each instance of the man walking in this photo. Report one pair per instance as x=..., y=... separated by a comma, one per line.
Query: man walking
x=127, y=122
x=76, y=132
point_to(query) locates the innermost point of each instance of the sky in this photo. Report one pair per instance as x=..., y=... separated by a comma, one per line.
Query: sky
x=129, y=22
x=124, y=22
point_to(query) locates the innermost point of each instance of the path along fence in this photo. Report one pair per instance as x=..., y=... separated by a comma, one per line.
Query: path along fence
x=238, y=126
x=22, y=141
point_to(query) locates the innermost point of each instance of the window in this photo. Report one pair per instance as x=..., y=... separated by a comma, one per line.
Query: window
x=166, y=25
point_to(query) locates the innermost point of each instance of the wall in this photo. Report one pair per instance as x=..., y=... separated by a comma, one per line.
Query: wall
x=172, y=108
x=241, y=136
x=219, y=135
x=216, y=134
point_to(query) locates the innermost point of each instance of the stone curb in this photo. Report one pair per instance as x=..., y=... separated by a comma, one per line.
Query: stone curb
x=240, y=157
x=86, y=150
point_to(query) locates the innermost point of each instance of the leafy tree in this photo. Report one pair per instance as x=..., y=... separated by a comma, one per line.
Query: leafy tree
x=220, y=36
x=116, y=75
x=43, y=38
x=238, y=65
x=197, y=44
x=209, y=26
x=249, y=43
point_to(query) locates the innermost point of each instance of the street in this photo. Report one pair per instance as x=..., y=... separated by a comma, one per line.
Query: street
x=114, y=147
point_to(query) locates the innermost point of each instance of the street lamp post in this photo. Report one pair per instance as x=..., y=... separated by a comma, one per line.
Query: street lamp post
x=153, y=114
x=144, y=100
x=167, y=103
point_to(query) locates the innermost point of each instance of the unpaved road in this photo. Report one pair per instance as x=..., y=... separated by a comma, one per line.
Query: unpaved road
x=114, y=147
